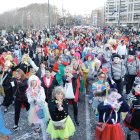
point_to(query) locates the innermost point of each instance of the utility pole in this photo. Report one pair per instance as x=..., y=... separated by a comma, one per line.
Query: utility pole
x=63, y=14
x=48, y=15
x=119, y=14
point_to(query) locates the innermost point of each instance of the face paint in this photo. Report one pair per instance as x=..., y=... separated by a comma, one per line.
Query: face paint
x=116, y=60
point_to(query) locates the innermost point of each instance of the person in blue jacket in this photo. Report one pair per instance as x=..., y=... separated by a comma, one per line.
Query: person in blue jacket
x=4, y=132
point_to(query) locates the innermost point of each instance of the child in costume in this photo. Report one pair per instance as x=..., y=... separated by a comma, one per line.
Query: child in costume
x=60, y=125
x=98, y=86
x=109, y=117
x=36, y=98
x=132, y=120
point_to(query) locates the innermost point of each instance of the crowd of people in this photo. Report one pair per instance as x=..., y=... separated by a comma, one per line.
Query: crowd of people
x=46, y=71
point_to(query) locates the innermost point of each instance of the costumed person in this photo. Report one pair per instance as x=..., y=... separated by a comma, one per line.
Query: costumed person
x=60, y=126
x=51, y=58
x=70, y=86
x=131, y=70
x=122, y=49
x=48, y=82
x=132, y=120
x=6, y=79
x=88, y=68
x=17, y=52
x=24, y=65
x=117, y=72
x=58, y=68
x=38, y=111
x=108, y=127
x=4, y=132
x=20, y=95
x=39, y=71
x=77, y=69
x=98, y=87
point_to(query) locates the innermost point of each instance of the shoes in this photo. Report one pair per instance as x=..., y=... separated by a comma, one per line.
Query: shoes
x=37, y=130
x=15, y=128
x=90, y=101
x=128, y=137
x=5, y=110
x=77, y=122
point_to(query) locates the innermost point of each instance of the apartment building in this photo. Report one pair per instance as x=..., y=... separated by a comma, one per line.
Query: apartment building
x=123, y=12
x=97, y=17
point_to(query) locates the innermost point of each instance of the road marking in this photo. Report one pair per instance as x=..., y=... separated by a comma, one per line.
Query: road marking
x=88, y=126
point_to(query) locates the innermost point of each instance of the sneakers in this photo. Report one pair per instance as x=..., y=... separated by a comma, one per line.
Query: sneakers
x=5, y=110
x=77, y=122
x=90, y=101
x=15, y=128
x=37, y=130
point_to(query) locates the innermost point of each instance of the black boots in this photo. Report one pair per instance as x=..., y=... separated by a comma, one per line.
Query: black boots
x=76, y=120
x=128, y=137
x=139, y=135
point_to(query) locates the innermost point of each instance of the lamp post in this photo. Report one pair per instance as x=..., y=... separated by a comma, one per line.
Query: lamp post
x=119, y=12
x=48, y=14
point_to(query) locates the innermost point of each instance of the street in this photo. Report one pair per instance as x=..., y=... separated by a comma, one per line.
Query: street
x=85, y=131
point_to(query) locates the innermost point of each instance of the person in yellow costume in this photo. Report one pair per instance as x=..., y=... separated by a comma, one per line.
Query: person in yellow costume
x=88, y=68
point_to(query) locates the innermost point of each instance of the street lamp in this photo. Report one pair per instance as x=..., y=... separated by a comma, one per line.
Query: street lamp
x=119, y=12
x=48, y=15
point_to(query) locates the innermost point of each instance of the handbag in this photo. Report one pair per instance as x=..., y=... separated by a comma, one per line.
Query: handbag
x=69, y=94
x=101, y=125
x=59, y=125
x=40, y=113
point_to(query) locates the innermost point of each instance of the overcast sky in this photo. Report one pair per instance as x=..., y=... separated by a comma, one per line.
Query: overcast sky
x=73, y=6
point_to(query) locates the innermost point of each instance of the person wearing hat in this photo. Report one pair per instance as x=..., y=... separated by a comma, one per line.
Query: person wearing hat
x=88, y=68
x=117, y=72
x=131, y=70
x=97, y=87
x=36, y=98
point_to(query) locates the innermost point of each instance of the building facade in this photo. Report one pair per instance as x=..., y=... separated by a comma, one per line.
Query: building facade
x=122, y=12
x=97, y=17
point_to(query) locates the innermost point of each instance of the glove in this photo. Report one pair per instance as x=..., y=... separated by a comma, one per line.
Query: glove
x=90, y=101
x=112, y=82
